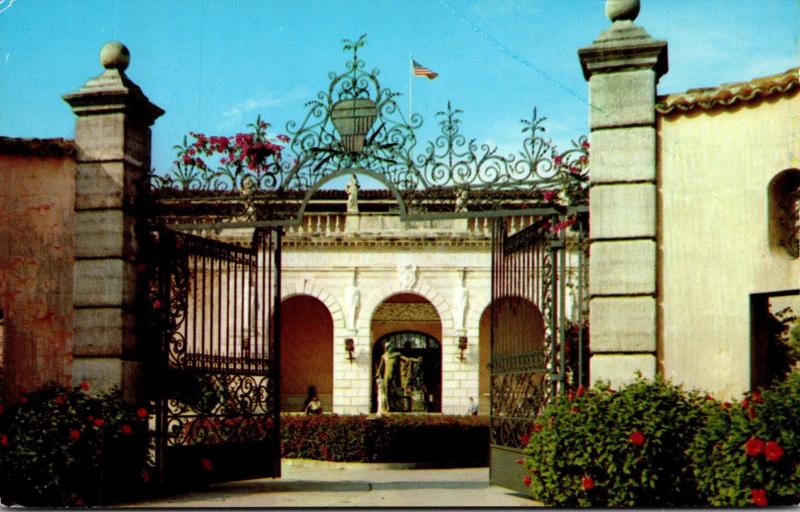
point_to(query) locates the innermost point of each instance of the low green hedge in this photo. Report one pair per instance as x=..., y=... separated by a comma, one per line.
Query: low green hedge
x=652, y=444
x=64, y=447
x=433, y=439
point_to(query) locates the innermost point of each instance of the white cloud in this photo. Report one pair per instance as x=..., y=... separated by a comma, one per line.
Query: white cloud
x=236, y=112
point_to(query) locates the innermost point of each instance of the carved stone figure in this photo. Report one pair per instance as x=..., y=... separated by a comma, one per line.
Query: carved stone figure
x=460, y=302
x=352, y=194
x=353, y=297
x=461, y=200
x=407, y=276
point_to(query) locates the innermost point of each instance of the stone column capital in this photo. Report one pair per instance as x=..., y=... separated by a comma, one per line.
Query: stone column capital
x=622, y=47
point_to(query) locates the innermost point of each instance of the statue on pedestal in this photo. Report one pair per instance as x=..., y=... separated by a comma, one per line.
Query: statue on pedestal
x=352, y=194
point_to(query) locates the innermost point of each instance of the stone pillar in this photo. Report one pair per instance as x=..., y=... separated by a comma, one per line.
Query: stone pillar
x=112, y=141
x=623, y=67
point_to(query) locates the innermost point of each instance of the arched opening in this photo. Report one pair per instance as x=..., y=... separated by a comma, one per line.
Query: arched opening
x=409, y=326
x=784, y=212
x=306, y=352
x=518, y=326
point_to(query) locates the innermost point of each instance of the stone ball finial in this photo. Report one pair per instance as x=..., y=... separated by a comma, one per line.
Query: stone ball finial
x=622, y=9
x=115, y=55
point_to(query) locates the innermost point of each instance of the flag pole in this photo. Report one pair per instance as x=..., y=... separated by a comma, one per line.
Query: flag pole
x=410, y=86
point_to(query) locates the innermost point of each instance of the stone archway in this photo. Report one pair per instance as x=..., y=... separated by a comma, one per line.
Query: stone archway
x=410, y=324
x=307, y=352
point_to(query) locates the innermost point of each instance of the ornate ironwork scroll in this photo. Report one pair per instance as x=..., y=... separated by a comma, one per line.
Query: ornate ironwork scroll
x=356, y=126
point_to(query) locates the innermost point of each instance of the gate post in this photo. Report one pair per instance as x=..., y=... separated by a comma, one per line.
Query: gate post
x=112, y=141
x=623, y=66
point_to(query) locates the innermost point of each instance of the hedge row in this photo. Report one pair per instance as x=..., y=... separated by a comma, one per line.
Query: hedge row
x=439, y=440
x=652, y=444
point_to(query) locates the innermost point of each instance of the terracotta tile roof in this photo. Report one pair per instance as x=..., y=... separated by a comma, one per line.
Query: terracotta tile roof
x=36, y=147
x=730, y=94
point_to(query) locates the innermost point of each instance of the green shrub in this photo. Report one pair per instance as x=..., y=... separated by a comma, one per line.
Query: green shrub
x=63, y=447
x=749, y=453
x=435, y=439
x=628, y=448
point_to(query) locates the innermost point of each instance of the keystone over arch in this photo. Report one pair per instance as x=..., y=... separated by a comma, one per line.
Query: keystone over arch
x=421, y=288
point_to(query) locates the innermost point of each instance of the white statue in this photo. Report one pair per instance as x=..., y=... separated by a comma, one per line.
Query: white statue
x=353, y=297
x=461, y=200
x=352, y=194
x=460, y=301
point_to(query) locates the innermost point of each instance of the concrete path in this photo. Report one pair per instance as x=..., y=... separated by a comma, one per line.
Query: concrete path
x=325, y=484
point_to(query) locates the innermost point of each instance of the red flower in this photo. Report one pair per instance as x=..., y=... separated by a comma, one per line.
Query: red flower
x=518, y=461
x=4, y=440
x=709, y=397
x=283, y=138
x=99, y=422
x=142, y=412
x=773, y=451
x=575, y=409
x=745, y=403
x=526, y=480
x=549, y=195
x=758, y=497
x=537, y=427
x=90, y=418
x=752, y=413
x=59, y=400
x=557, y=160
x=525, y=439
x=636, y=438
x=126, y=429
x=726, y=405
x=587, y=483
x=85, y=385
x=585, y=145
x=74, y=435
x=157, y=304
x=570, y=395
x=206, y=465
x=754, y=446
x=581, y=390
x=757, y=397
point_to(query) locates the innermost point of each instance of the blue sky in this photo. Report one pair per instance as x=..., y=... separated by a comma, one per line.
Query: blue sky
x=215, y=65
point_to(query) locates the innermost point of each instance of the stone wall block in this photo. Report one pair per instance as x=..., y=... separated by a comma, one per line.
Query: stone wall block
x=623, y=154
x=622, y=99
x=624, y=324
x=104, y=234
x=107, y=185
x=623, y=211
x=104, y=332
x=100, y=137
x=622, y=267
x=105, y=282
x=621, y=369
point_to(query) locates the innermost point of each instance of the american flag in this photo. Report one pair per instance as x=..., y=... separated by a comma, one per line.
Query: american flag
x=420, y=70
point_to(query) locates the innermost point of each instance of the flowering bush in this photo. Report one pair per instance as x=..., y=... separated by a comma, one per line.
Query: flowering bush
x=445, y=440
x=599, y=447
x=749, y=453
x=63, y=447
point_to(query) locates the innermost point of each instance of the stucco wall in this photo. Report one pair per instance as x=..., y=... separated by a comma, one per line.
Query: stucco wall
x=36, y=258
x=714, y=171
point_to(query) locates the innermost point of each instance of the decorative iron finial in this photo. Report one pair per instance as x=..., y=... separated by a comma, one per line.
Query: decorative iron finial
x=348, y=45
x=622, y=9
x=115, y=55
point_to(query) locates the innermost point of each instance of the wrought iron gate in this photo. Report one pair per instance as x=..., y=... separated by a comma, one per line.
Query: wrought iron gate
x=214, y=378
x=539, y=335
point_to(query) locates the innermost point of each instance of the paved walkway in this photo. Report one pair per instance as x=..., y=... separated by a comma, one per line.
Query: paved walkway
x=325, y=484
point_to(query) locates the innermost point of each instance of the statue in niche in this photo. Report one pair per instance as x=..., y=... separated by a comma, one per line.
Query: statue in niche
x=352, y=194
x=461, y=301
x=399, y=379
x=353, y=297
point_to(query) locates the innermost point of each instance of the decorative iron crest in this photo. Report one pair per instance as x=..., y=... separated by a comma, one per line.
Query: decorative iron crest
x=356, y=126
